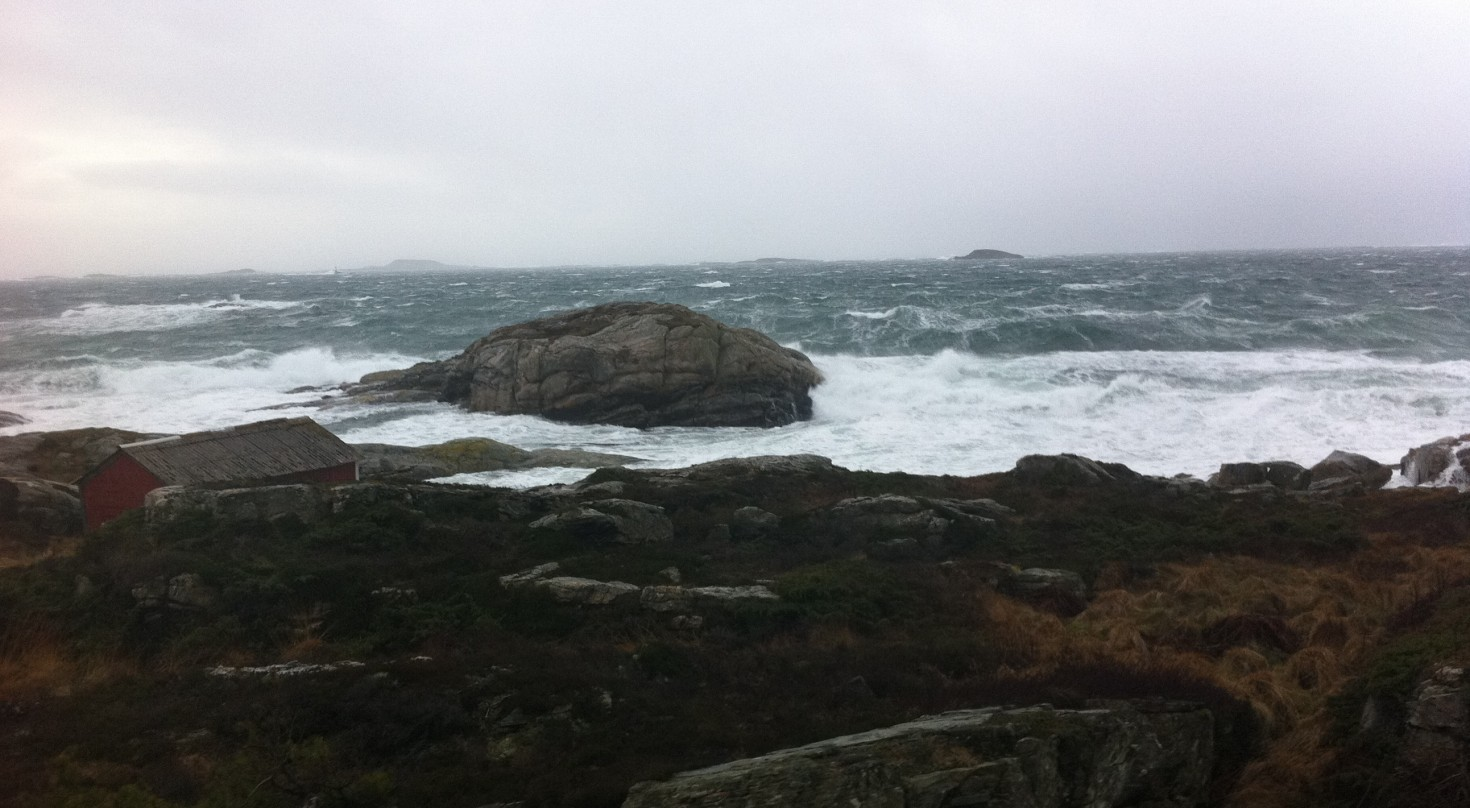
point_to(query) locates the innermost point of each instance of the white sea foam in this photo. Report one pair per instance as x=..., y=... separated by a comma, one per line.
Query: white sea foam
x=179, y=396
x=872, y=315
x=714, y=285
x=956, y=413
x=100, y=318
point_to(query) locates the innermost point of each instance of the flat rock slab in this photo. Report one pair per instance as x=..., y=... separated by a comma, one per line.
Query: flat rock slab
x=1112, y=756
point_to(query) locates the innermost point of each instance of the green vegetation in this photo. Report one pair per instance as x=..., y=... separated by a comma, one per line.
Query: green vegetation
x=465, y=692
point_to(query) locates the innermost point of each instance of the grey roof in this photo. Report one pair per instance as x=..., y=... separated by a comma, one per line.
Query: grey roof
x=258, y=451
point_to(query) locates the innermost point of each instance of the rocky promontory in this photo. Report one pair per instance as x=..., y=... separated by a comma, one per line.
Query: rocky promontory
x=628, y=364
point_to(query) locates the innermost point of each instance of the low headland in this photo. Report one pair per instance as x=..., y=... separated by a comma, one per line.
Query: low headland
x=775, y=631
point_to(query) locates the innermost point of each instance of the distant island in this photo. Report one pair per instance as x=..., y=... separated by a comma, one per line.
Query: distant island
x=975, y=255
x=242, y=271
x=781, y=261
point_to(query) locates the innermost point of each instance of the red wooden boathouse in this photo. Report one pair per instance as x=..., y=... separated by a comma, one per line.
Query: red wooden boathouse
x=284, y=450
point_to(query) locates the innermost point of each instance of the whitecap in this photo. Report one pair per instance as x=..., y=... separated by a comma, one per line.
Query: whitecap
x=714, y=285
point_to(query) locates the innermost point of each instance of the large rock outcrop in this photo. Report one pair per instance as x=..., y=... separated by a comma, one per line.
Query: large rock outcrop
x=1036, y=757
x=31, y=508
x=1344, y=472
x=629, y=364
x=63, y=455
x=1442, y=462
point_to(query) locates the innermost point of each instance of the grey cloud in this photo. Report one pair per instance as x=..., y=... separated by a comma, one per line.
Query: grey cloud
x=548, y=132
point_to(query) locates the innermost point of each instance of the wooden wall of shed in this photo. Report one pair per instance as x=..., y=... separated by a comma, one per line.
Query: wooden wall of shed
x=117, y=488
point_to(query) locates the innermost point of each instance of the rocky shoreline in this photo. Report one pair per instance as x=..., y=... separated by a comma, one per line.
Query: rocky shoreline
x=709, y=565
x=775, y=630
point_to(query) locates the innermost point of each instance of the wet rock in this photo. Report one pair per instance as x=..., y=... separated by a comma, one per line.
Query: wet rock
x=1330, y=473
x=1096, y=758
x=8, y=418
x=621, y=521
x=381, y=461
x=1442, y=462
x=1070, y=470
x=630, y=364
x=1282, y=474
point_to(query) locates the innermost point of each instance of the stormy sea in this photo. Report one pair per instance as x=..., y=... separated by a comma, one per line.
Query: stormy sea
x=1168, y=362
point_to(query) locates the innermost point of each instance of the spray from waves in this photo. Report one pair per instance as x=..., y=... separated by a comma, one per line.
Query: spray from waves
x=102, y=318
x=179, y=396
x=1161, y=412
x=714, y=285
x=958, y=413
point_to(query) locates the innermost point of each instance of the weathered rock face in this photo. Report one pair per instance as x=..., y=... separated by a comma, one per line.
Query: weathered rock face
x=307, y=503
x=1036, y=758
x=1341, y=472
x=382, y=461
x=657, y=598
x=1439, y=711
x=621, y=521
x=1443, y=462
x=891, y=515
x=63, y=455
x=37, y=508
x=1070, y=469
x=630, y=364
x=1283, y=474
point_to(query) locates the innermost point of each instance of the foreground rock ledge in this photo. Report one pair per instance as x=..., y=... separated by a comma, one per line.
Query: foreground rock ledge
x=627, y=364
x=1117, y=755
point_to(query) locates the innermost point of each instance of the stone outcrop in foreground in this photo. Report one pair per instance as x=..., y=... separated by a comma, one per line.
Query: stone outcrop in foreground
x=1036, y=757
x=390, y=463
x=628, y=364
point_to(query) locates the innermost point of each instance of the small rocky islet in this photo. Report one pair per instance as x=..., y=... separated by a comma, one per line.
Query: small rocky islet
x=780, y=630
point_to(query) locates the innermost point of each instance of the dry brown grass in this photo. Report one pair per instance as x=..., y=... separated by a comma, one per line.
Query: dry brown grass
x=34, y=661
x=14, y=554
x=1338, y=613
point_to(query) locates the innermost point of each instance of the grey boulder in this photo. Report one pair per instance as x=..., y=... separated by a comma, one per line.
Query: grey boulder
x=1071, y=470
x=1342, y=472
x=1282, y=474
x=39, y=507
x=612, y=521
x=629, y=364
x=1098, y=758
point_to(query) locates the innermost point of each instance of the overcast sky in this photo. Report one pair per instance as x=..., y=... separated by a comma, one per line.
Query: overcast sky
x=288, y=136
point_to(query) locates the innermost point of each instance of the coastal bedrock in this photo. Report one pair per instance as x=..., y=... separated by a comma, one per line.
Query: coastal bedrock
x=628, y=364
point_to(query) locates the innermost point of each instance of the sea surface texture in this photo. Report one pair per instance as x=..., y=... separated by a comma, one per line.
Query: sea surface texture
x=1170, y=363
